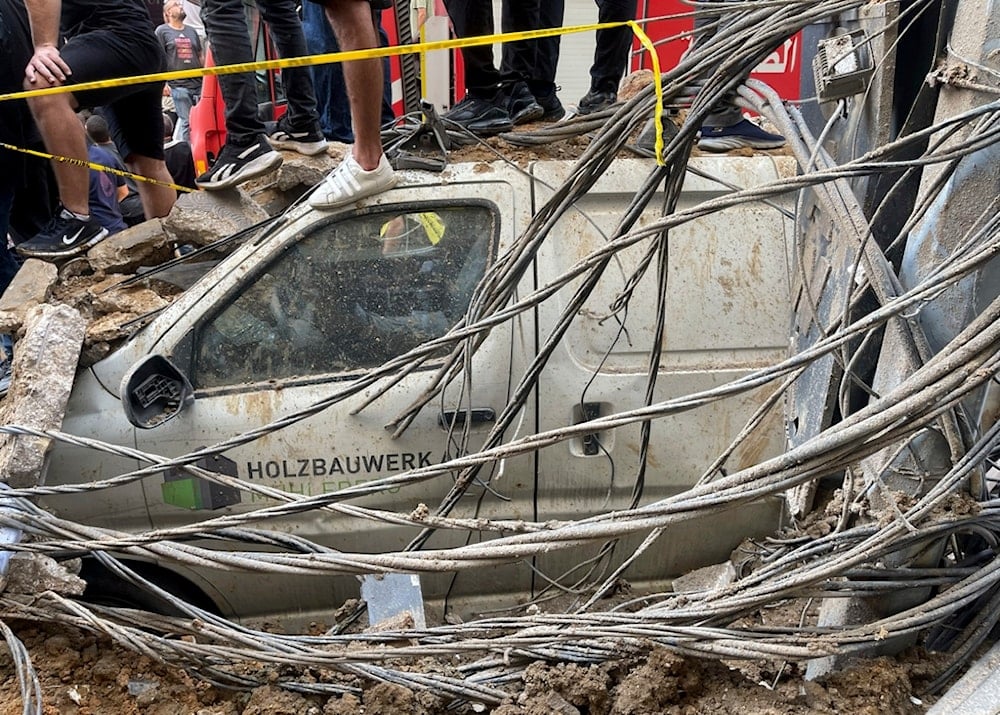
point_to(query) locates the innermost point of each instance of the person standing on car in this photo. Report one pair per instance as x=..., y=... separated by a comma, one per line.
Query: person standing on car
x=523, y=89
x=249, y=150
x=184, y=52
x=365, y=170
x=82, y=41
x=328, y=79
x=725, y=128
x=610, y=55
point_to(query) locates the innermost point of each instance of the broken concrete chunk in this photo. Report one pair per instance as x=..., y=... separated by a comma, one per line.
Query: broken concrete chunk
x=134, y=300
x=634, y=83
x=202, y=217
x=44, y=367
x=31, y=286
x=298, y=170
x=109, y=327
x=706, y=579
x=144, y=244
x=31, y=574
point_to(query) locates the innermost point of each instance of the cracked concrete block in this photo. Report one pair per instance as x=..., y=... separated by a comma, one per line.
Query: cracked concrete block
x=201, y=217
x=44, y=368
x=31, y=286
x=136, y=300
x=706, y=579
x=31, y=574
x=141, y=245
x=298, y=170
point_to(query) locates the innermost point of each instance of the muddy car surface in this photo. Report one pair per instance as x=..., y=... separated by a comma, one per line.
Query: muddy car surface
x=294, y=322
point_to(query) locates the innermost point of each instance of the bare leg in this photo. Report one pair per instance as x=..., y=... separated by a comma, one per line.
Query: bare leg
x=63, y=134
x=156, y=200
x=352, y=23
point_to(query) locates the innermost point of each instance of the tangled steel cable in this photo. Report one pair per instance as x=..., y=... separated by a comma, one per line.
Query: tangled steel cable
x=878, y=543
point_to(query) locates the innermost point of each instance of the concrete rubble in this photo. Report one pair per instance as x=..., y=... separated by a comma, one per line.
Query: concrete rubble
x=64, y=317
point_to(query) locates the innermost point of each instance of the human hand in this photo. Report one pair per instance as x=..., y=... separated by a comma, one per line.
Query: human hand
x=48, y=65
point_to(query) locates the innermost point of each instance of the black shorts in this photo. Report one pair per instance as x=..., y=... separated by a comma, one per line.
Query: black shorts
x=134, y=111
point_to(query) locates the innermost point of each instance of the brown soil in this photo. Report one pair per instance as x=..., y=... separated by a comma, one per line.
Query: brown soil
x=82, y=674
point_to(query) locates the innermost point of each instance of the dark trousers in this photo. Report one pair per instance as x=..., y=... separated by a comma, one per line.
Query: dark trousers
x=533, y=61
x=725, y=113
x=226, y=25
x=530, y=60
x=613, y=45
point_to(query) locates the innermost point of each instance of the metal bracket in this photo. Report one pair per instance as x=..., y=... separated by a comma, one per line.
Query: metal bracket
x=426, y=147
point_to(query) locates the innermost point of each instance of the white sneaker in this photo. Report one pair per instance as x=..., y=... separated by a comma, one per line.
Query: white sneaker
x=349, y=183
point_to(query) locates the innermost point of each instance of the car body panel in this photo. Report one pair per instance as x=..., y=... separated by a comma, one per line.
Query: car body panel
x=252, y=339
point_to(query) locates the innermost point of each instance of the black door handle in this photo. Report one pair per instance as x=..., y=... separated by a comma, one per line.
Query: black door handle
x=479, y=415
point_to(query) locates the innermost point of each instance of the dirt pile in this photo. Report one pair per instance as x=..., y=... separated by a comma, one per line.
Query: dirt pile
x=82, y=674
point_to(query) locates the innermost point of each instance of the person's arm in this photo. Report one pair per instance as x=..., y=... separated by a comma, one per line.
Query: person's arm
x=43, y=15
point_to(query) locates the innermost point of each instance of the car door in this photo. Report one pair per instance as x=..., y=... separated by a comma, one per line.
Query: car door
x=727, y=312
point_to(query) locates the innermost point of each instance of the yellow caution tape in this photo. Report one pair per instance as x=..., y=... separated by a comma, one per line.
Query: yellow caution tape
x=657, y=84
x=308, y=61
x=92, y=165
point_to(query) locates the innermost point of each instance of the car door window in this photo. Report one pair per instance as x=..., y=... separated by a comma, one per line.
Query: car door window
x=350, y=294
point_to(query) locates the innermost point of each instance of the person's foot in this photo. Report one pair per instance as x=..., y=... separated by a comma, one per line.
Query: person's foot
x=64, y=236
x=305, y=141
x=521, y=104
x=595, y=101
x=349, y=183
x=742, y=135
x=480, y=116
x=552, y=108
x=237, y=164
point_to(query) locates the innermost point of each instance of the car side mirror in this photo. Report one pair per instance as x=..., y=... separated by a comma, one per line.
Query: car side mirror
x=154, y=391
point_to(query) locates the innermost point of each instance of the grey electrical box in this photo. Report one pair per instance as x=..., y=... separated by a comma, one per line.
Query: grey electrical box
x=842, y=66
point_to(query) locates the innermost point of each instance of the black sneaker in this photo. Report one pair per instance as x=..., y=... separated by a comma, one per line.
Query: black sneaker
x=64, y=236
x=480, y=116
x=595, y=101
x=552, y=108
x=521, y=104
x=742, y=135
x=237, y=164
x=284, y=136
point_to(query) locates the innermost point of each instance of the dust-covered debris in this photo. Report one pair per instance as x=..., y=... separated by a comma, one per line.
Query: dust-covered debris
x=107, y=678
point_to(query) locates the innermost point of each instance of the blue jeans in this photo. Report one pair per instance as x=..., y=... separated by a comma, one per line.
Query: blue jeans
x=226, y=25
x=331, y=91
x=184, y=99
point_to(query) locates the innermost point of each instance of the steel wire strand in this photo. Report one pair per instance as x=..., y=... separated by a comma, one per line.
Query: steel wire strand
x=638, y=519
x=583, y=161
x=32, y=701
x=724, y=648
x=603, y=423
x=776, y=577
x=841, y=203
x=598, y=423
x=434, y=345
